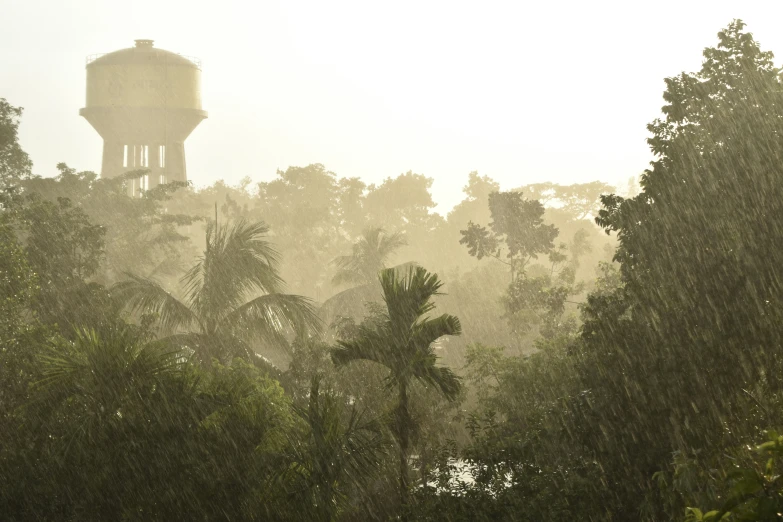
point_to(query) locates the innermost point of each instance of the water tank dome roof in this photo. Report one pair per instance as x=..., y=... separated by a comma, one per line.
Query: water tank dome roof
x=144, y=52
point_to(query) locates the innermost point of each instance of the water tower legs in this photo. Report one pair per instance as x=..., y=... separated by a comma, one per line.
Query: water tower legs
x=175, y=162
x=113, y=157
x=165, y=162
x=154, y=165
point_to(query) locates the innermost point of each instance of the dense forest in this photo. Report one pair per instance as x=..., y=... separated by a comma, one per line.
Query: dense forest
x=316, y=348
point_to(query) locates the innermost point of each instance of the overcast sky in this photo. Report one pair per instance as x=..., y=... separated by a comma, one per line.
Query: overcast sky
x=522, y=91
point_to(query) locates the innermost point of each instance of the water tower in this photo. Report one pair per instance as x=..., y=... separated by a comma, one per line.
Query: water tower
x=144, y=102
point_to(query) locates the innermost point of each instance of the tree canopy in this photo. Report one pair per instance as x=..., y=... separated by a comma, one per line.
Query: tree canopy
x=154, y=364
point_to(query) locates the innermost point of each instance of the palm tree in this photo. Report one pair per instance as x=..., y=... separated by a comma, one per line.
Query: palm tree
x=223, y=315
x=402, y=341
x=100, y=401
x=104, y=371
x=368, y=257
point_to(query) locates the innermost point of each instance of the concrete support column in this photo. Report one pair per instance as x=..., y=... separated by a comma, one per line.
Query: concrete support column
x=154, y=165
x=175, y=162
x=138, y=154
x=113, y=156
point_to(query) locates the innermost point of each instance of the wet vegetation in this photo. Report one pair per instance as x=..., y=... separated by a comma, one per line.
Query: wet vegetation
x=315, y=348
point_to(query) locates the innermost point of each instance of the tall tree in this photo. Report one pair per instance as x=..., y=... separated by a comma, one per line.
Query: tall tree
x=690, y=341
x=223, y=315
x=474, y=206
x=15, y=164
x=142, y=234
x=18, y=346
x=401, y=340
x=64, y=249
x=517, y=228
x=311, y=213
x=404, y=201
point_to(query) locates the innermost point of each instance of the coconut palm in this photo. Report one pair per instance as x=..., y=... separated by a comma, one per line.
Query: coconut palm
x=368, y=257
x=232, y=297
x=401, y=340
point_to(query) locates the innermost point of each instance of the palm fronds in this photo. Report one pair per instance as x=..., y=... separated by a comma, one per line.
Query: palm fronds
x=146, y=295
x=442, y=378
x=237, y=262
x=429, y=330
x=402, y=340
x=370, y=345
x=224, y=316
x=270, y=316
x=104, y=370
x=408, y=296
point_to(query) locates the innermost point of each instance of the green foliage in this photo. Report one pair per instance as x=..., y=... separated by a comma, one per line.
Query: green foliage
x=519, y=464
x=19, y=338
x=62, y=244
x=118, y=428
x=364, y=386
x=140, y=234
x=755, y=492
x=643, y=412
x=311, y=213
x=402, y=342
x=535, y=302
x=475, y=297
x=63, y=248
x=673, y=358
x=517, y=224
x=531, y=302
x=484, y=366
x=18, y=283
x=300, y=197
x=480, y=241
x=341, y=448
x=15, y=164
x=223, y=316
x=402, y=200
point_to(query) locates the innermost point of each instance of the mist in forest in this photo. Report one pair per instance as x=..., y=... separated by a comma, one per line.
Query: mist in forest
x=308, y=343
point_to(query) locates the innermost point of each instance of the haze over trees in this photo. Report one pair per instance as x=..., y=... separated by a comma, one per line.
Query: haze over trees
x=316, y=348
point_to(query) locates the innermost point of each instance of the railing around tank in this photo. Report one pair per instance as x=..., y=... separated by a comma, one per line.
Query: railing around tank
x=92, y=57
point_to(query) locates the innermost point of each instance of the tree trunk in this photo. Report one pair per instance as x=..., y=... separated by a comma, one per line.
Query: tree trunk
x=403, y=426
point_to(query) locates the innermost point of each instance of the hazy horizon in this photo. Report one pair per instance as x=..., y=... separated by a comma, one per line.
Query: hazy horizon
x=523, y=94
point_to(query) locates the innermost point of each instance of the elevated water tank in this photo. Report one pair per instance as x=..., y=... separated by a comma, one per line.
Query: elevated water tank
x=144, y=102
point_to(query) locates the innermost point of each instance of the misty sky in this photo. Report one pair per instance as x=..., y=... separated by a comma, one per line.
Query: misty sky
x=522, y=91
